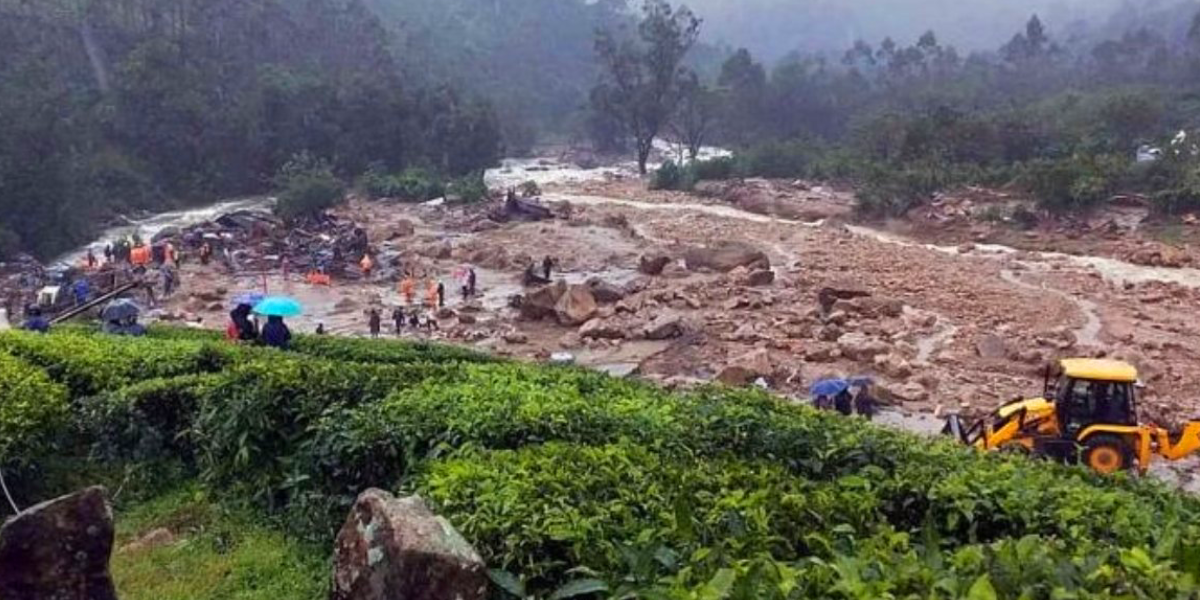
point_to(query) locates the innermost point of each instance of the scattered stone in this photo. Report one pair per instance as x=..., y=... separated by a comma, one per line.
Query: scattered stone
x=858, y=346
x=653, y=265
x=746, y=368
x=992, y=347
x=446, y=313
x=759, y=278
x=575, y=307
x=467, y=319
x=604, y=292
x=516, y=337
x=725, y=257
x=542, y=303
x=839, y=291
x=602, y=329
x=893, y=366
x=664, y=327
x=59, y=549
x=403, y=229
x=397, y=548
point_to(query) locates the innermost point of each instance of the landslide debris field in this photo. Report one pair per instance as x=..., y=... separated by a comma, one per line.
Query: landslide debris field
x=727, y=284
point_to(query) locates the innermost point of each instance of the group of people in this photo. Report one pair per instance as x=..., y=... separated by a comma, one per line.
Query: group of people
x=414, y=320
x=243, y=327
x=853, y=399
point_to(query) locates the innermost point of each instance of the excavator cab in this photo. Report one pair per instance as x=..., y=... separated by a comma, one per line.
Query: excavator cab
x=1087, y=413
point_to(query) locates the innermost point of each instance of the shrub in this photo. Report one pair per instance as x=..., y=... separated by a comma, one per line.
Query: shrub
x=545, y=509
x=413, y=184
x=33, y=412
x=1077, y=183
x=90, y=364
x=671, y=176
x=717, y=169
x=306, y=186
x=147, y=420
x=469, y=189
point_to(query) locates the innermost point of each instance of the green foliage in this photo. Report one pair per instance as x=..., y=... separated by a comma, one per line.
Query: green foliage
x=468, y=189
x=545, y=509
x=217, y=554
x=306, y=187
x=413, y=185
x=671, y=176
x=33, y=412
x=572, y=482
x=90, y=364
x=1077, y=184
x=156, y=107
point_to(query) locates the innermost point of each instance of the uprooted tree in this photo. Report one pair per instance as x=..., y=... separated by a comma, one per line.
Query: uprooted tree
x=643, y=77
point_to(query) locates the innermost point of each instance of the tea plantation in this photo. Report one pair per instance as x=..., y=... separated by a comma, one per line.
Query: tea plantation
x=570, y=483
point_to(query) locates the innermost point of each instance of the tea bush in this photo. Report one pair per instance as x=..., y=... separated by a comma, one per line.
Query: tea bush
x=33, y=411
x=570, y=480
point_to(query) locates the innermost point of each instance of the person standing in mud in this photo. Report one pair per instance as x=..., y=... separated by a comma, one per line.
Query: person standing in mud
x=471, y=282
x=441, y=294
x=431, y=295
x=398, y=319
x=91, y=259
x=547, y=265
x=108, y=253
x=373, y=321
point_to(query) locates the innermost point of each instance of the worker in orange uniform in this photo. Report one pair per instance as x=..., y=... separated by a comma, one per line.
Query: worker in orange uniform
x=408, y=288
x=431, y=295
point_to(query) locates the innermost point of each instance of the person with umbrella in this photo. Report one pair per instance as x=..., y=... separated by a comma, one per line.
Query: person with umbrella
x=825, y=392
x=275, y=333
x=120, y=318
x=864, y=403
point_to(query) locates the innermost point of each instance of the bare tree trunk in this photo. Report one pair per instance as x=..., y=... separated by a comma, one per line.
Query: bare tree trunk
x=644, y=146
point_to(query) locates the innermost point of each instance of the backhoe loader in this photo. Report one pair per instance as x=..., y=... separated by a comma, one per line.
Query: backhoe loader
x=1087, y=413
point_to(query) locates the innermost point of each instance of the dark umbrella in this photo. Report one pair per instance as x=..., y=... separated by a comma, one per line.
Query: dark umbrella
x=828, y=387
x=119, y=310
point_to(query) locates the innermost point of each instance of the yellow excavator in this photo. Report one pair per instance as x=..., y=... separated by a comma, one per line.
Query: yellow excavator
x=1088, y=414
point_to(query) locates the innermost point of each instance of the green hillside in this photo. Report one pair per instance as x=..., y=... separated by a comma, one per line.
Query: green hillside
x=561, y=477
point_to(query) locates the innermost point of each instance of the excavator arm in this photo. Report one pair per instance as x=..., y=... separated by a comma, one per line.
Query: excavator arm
x=1187, y=444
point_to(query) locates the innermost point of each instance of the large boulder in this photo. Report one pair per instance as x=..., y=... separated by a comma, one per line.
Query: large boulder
x=576, y=307
x=541, y=303
x=745, y=369
x=861, y=347
x=605, y=292
x=604, y=329
x=653, y=265
x=397, y=548
x=59, y=550
x=840, y=290
x=664, y=327
x=725, y=257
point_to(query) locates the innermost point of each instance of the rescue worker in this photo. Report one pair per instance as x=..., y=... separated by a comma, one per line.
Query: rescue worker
x=373, y=322
x=547, y=264
x=91, y=259
x=441, y=293
x=864, y=403
x=205, y=253
x=34, y=321
x=108, y=253
x=471, y=282
x=367, y=265
x=82, y=290
x=275, y=334
x=320, y=329
x=408, y=288
x=431, y=295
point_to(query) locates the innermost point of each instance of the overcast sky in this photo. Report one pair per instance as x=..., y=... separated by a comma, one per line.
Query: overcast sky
x=772, y=28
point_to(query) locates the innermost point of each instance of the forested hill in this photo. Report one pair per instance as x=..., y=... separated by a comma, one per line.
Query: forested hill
x=116, y=105
x=533, y=59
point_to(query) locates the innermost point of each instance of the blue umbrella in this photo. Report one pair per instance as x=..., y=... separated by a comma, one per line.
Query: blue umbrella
x=251, y=298
x=279, y=306
x=828, y=387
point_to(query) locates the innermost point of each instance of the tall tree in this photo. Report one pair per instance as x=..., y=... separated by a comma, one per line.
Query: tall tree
x=643, y=77
x=696, y=115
